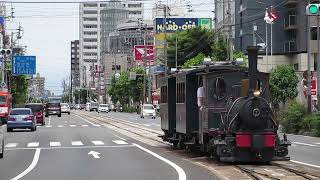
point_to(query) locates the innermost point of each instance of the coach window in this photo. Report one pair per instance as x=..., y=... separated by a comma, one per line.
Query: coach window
x=220, y=88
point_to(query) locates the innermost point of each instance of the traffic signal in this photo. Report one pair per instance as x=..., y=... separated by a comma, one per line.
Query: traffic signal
x=5, y=51
x=313, y=10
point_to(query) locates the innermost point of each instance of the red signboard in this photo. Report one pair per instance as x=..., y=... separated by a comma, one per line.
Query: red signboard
x=139, y=52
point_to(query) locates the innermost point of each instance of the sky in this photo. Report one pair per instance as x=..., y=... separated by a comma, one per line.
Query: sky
x=48, y=30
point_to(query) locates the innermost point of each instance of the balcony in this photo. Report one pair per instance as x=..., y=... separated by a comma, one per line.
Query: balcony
x=290, y=22
x=290, y=47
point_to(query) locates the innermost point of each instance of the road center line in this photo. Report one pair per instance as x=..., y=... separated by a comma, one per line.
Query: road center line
x=304, y=144
x=180, y=171
x=31, y=167
x=312, y=165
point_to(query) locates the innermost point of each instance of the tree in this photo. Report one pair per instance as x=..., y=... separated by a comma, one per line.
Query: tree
x=195, y=61
x=219, y=49
x=19, y=90
x=283, y=84
x=190, y=43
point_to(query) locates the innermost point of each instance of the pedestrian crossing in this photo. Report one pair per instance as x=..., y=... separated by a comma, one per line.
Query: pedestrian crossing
x=60, y=144
x=70, y=126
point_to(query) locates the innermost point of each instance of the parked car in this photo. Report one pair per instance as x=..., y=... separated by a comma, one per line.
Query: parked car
x=65, y=108
x=82, y=106
x=1, y=142
x=21, y=118
x=77, y=106
x=112, y=107
x=88, y=106
x=94, y=106
x=148, y=110
x=103, y=108
x=38, y=112
x=53, y=106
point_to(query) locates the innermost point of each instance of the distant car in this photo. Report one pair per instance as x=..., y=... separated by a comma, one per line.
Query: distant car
x=53, y=106
x=1, y=142
x=65, y=108
x=112, y=107
x=37, y=110
x=88, y=106
x=148, y=110
x=103, y=108
x=93, y=106
x=77, y=106
x=21, y=118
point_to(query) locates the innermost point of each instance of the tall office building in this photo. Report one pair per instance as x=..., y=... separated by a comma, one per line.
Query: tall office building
x=75, y=70
x=90, y=36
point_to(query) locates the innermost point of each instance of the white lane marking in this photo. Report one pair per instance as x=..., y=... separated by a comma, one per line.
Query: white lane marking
x=94, y=154
x=60, y=126
x=118, y=136
x=180, y=171
x=98, y=143
x=31, y=167
x=76, y=143
x=304, y=144
x=55, y=144
x=33, y=144
x=148, y=125
x=119, y=142
x=11, y=145
x=84, y=125
x=48, y=126
x=312, y=165
x=318, y=143
x=72, y=125
x=72, y=147
x=97, y=125
x=87, y=121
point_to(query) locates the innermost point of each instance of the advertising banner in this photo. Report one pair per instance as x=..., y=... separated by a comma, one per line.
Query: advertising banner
x=139, y=53
x=181, y=24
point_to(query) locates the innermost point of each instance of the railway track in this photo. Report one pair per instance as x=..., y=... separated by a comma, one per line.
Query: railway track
x=274, y=171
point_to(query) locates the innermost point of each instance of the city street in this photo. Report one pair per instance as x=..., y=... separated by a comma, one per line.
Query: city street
x=73, y=148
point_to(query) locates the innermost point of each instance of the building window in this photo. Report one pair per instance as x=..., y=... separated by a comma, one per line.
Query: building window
x=116, y=66
x=134, y=5
x=90, y=40
x=103, y=5
x=90, y=47
x=90, y=5
x=90, y=26
x=313, y=33
x=90, y=19
x=296, y=66
x=90, y=54
x=90, y=33
x=134, y=12
x=90, y=12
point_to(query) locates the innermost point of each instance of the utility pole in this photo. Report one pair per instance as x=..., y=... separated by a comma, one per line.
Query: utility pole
x=267, y=45
x=309, y=63
x=176, y=51
x=254, y=39
x=230, y=31
x=165, y=35
x=145, y=64
x=318, y=62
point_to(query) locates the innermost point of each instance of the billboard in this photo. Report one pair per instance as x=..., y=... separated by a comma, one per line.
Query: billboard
x=181, y=24
x=24, y=65
x=139, y=52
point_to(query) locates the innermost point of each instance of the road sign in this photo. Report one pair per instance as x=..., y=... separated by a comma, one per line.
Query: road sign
x=139, y=52
x=24, y=65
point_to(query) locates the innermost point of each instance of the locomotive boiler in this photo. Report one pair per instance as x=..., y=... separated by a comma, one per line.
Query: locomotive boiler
x=234, y=123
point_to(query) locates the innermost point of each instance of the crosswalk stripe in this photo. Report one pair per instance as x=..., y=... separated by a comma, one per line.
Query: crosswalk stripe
x=76, y=143
x=84, y=125
x=98, y=143
x=119, y=142
x=60, y=126
x=33, y=144
x=11, y=145
x=72, y=125
x=48, y=126
x=97, y=125
x=55, y=144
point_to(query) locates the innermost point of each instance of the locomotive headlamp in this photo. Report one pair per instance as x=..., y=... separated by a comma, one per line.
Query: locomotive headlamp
x=256, y=93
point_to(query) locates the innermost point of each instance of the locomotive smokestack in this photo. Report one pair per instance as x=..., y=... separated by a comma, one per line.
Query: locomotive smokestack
x=253, y=65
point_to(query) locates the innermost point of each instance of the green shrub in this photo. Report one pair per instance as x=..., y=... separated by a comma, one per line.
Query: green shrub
x=292, y=119
x=129, y=109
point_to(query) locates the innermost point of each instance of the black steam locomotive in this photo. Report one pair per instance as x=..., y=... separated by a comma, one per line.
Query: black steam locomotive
x=234, y=123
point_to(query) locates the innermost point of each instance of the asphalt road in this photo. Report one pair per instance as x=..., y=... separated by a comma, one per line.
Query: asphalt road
x=304, y=149
x=70, y=148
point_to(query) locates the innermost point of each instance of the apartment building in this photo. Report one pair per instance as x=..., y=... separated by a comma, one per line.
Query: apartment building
x=75, y=68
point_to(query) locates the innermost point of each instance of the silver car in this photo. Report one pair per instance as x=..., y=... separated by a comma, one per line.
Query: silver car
x=65, y=108
x=1, y=142
x=21, y=118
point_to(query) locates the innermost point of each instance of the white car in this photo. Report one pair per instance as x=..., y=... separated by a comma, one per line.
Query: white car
x=65, y=108
x=103, y=108
x=1, y=142
x=148, y=110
